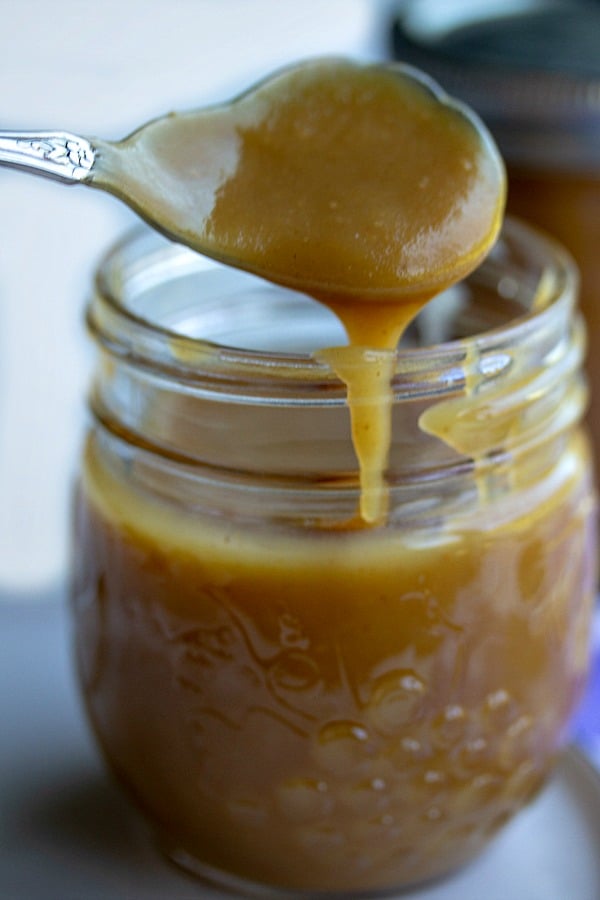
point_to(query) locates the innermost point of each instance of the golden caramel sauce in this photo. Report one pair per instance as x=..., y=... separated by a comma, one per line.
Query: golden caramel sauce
x=363, y=186
x=332, y=710
x=340, y=180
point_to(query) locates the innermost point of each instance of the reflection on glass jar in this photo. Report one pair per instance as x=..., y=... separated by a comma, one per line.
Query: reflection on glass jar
x=567, y=205
x=289, y=701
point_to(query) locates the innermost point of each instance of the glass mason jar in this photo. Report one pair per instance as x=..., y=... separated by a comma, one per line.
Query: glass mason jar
x=296, y=704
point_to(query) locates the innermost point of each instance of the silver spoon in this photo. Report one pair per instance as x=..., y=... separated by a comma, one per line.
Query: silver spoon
x=58, y=155
x=262, y=183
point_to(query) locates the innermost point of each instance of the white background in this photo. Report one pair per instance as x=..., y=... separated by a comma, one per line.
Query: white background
x=102, y=67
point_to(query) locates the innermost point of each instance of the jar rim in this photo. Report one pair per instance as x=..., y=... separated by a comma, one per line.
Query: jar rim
x=125, y=333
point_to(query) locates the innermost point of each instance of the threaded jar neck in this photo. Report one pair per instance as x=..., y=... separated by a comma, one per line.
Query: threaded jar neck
x=210, y=373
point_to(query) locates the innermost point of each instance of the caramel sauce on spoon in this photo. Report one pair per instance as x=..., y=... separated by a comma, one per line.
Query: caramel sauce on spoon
x=364, y=186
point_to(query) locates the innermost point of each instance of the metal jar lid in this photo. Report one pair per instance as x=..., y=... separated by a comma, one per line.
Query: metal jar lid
x=530, y=68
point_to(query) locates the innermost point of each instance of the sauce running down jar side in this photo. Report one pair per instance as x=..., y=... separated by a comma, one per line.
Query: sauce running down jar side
x=291, y=701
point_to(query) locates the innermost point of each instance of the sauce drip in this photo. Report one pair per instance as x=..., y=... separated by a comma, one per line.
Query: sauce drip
x=363, y=186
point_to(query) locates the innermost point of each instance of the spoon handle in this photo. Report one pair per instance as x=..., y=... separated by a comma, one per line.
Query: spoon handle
x=56, y=154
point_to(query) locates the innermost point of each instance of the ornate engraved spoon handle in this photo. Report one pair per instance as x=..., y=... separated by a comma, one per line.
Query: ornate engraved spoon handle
x=59, y=155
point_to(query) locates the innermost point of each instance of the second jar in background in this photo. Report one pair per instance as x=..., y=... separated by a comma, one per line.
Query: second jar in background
x=534, y=76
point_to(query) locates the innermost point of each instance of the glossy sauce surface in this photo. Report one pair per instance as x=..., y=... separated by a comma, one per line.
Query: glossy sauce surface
x=340, y=180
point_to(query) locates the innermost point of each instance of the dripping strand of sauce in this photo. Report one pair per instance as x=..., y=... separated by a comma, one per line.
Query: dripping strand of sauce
x=367, y=366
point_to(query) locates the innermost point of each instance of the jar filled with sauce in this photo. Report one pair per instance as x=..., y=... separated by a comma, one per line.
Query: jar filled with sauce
x=532, y=71
x=294, y=701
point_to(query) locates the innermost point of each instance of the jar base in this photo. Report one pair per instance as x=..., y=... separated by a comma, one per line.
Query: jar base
x=234, y=886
